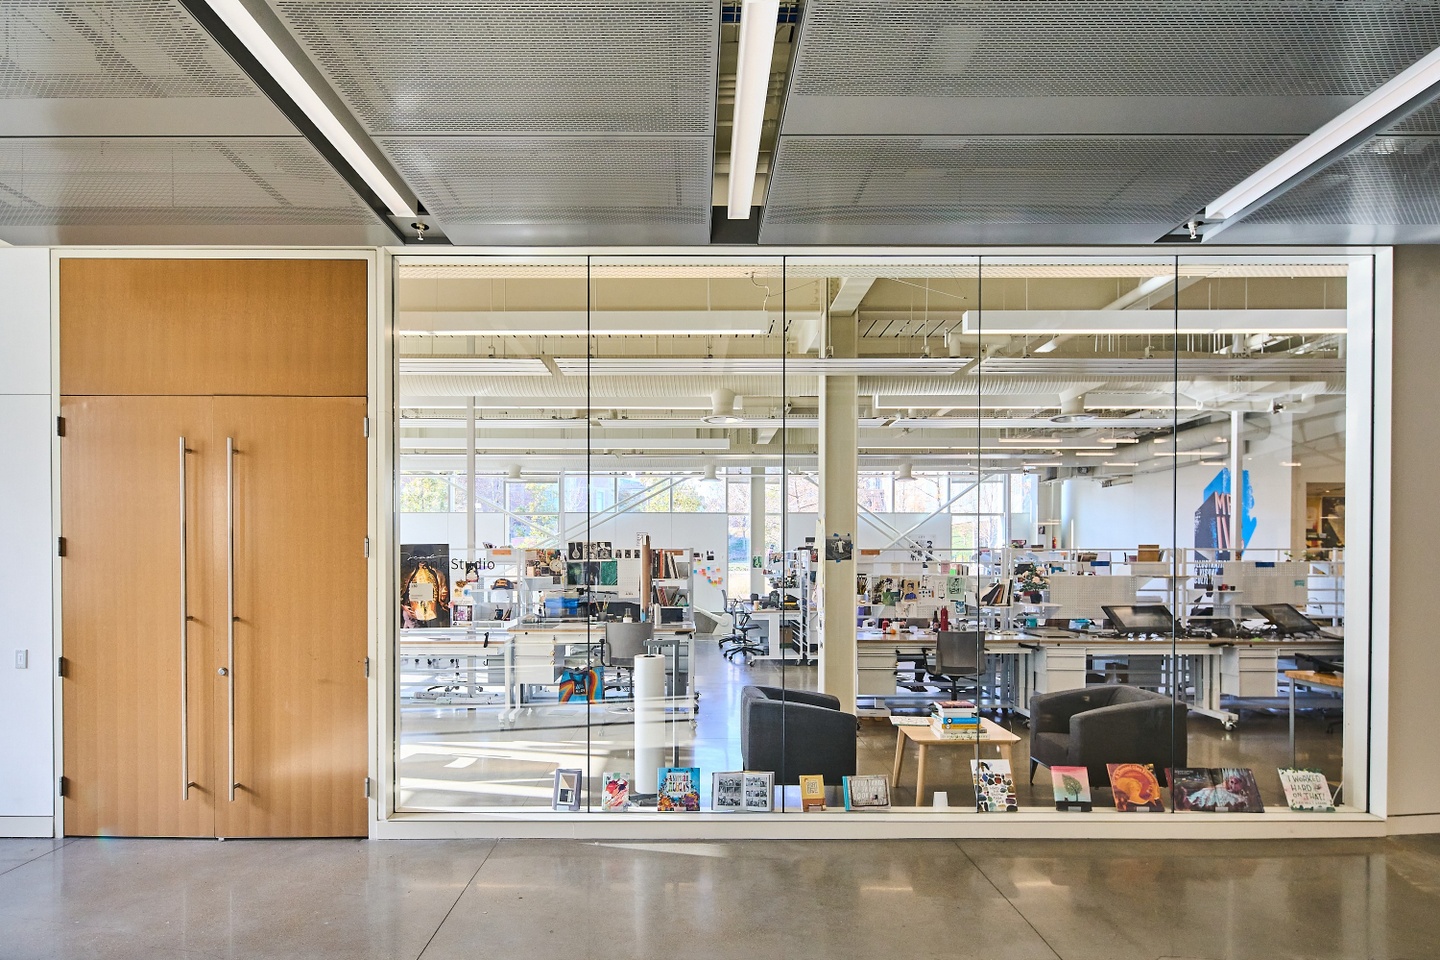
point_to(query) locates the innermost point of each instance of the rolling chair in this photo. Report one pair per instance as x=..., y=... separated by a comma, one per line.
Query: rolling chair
x=742, y=643
x=959, y=655
x=623, y=643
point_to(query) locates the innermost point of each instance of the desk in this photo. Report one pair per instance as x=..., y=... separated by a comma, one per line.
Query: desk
x=1335, y=681
x=924, y=738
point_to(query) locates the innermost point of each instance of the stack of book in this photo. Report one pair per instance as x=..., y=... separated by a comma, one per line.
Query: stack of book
x=956, y=720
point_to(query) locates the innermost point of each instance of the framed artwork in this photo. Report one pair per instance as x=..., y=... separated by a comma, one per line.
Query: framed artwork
x=567, y=789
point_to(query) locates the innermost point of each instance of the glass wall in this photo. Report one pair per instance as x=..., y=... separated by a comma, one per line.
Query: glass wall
x=1075, y=525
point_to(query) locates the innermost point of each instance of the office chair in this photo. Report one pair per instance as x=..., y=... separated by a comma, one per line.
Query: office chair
x=959, y=655
x=743, y=644
x=623, y=643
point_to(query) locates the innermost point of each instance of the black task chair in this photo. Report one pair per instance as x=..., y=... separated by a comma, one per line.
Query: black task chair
x=623, y=643
x=739, y=638
x=959, y=655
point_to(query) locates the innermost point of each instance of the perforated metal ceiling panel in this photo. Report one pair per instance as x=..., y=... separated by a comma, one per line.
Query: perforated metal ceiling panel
x=543, y=66
x=122, y=68
x=561, y=190
x=111, y=48
x=999, y=189
x=1388, y=191
x=988, y=66
x=281, y=184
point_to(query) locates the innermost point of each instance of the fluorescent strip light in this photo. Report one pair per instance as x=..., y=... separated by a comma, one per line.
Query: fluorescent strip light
x=1095, y=453
x=258, y=42
x=758, y=19
x=1392, y=101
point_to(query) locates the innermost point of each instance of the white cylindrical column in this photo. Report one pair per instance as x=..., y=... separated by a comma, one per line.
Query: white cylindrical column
x=649, y=686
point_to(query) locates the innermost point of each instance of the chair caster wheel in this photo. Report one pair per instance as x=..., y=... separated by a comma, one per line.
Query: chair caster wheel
x=1230, y=724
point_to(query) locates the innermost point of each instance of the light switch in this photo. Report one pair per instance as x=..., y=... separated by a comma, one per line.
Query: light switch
x=22, y=659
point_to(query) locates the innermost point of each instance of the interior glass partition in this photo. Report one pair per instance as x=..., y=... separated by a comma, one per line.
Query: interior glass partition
x=741, y=517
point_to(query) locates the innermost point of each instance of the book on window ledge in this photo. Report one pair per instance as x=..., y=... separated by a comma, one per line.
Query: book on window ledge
x=1072, y=789
x=1214, y=790
x=679, y=789
x=1307, y=790
x=994, y=786
x=1135, y=788
x=616, y=795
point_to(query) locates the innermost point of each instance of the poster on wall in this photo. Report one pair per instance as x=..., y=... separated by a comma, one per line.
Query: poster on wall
x=424, y=586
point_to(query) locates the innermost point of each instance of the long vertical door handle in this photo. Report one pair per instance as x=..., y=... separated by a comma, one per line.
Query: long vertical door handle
x=230, y=599
x=185, y=783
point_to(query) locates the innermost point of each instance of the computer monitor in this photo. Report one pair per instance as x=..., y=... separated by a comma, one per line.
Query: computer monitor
x=1141, y=618
x=921, y=622
x=1319, y=664
x=1286, y=619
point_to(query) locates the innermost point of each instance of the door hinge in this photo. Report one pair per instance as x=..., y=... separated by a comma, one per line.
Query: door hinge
x=367, y=666
x=367, y=788
x=59, y=546
x=59, y=426
x=367, y=548
x=64, y=786
x=367, y=428
x=62, y=667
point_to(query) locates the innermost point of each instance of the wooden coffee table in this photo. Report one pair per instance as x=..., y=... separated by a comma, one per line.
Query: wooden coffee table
x=995, y=736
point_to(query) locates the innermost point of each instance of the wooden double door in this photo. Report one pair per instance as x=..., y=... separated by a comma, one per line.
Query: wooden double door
x=214, y=615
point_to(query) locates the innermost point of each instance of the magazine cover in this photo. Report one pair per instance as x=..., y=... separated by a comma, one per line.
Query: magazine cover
x=1135, y=788
x=616, y=795
x=1215, y=790
x=679, y=788
x=1072, y=788
x=1307, y=790
x=424, y=585
x=994, y=786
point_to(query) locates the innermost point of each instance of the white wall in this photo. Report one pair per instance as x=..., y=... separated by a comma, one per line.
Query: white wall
x=27, y=709
x=1413, y=669
x=1160, y=507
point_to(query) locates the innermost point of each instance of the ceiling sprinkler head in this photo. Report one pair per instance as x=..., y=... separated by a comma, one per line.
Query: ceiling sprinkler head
x=419, y=226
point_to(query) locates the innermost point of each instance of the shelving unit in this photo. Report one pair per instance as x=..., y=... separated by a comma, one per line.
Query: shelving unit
x=1325, y=587
x=492, y=606
x=671, y=584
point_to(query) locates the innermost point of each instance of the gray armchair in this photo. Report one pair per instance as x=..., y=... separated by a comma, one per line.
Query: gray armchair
x=1114, y=723
x=796, y=731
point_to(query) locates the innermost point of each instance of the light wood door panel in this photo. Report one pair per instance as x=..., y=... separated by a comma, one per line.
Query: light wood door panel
x=122, y=693
x=207, y=326
x=300, y=631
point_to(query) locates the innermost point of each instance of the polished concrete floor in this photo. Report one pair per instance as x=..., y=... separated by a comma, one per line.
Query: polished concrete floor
x=456, y=758
x=436, y=900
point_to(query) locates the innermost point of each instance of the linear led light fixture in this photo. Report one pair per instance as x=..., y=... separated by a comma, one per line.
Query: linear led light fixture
x=249, y=32
x=758, y=19
x=1388, y=104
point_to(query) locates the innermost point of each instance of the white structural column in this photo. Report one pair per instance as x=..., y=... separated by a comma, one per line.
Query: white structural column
x=757, y=529
x=839, y=436
x=1237, y=483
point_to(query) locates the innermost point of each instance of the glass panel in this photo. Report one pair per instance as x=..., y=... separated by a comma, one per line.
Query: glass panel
x=683, y=371
x=477, y=697
x=424, y=494
x=1262, y=505
x=1034, y=440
